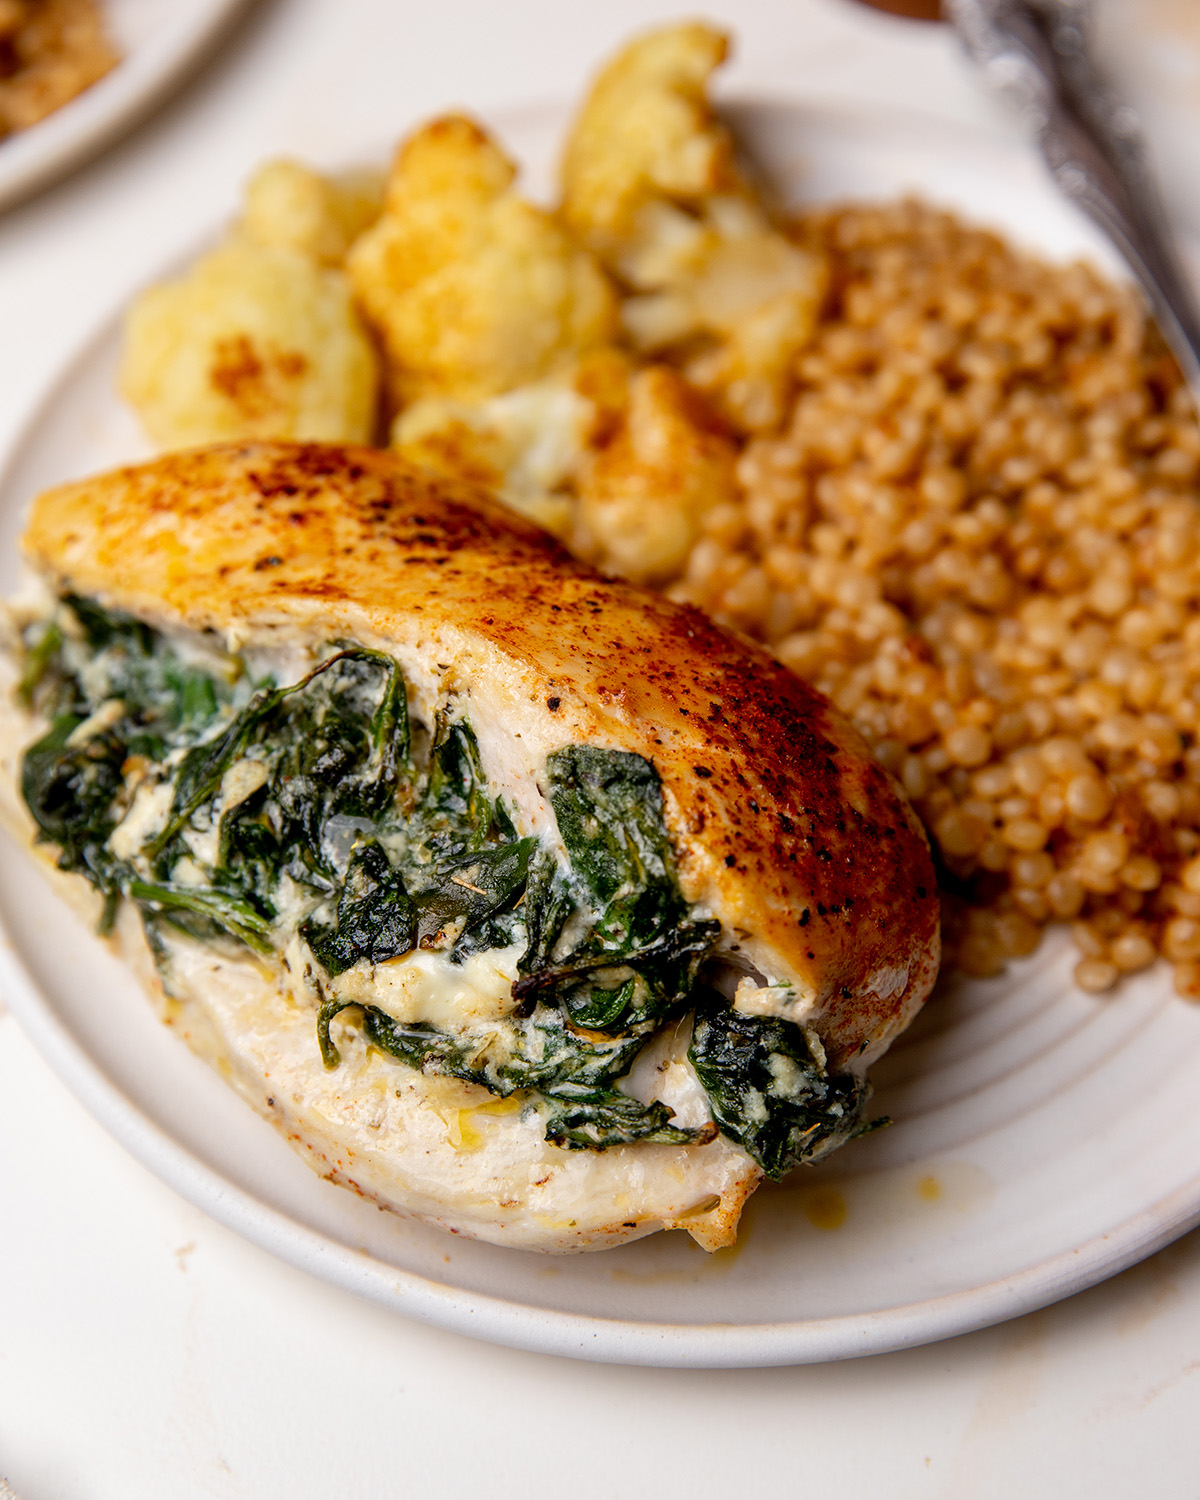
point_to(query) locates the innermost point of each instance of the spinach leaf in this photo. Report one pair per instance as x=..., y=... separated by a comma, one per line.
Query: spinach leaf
x=73, y=789
x=192, y=697
x=332, y=749
x=454, y=814
x=638, y=958
x=40, y=653
x=200, y=773
x=460, y=906
x=608, y=804
x=426, y=1048
x=330, y=1055
x=575, y=1075
x=651, y=981
x=70, y=789
x=389, y=723
x=376, y=919
x=769, y=1093
x=162, y=694
x=548, y=905
x=198, y=911
x=460, y=909
x=553, y=1057
x=250, y=856
x=103, y=628
x=615, y=1119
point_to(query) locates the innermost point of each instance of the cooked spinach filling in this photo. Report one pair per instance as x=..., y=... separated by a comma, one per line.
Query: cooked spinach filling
x=239, y=811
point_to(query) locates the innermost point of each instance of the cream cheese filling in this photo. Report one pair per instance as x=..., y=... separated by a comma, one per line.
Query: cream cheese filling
x=430, y=987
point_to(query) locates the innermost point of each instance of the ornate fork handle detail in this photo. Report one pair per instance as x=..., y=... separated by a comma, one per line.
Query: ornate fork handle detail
x=1037, y=51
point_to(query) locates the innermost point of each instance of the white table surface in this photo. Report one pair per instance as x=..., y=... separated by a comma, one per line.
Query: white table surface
x=147, y=1352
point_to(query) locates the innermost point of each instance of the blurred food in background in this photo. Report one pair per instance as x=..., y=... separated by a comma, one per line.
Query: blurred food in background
x=915, y=10
x=50, y=51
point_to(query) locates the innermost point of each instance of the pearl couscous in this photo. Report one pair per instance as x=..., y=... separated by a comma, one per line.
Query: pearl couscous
x=977, y=530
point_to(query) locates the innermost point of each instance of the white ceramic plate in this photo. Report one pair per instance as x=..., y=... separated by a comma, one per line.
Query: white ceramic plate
x=158, y=40
x=1043, y=1139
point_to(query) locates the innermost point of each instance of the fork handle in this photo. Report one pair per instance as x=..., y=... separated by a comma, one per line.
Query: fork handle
x=1093, y=144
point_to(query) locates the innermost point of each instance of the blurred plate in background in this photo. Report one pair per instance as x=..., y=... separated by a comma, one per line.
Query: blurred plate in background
x=157, y=40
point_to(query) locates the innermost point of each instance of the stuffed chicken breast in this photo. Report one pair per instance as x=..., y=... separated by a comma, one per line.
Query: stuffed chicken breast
x=521, y=899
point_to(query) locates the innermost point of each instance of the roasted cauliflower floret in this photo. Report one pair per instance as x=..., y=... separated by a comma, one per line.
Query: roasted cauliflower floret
x=260, y=338
x=525, y=445
x=733, y=300
x=289, y=204
x=529, y=444
x=620, y=463
x=472, y=291
x=645, y=135
x=652, y=185
x=644, y=492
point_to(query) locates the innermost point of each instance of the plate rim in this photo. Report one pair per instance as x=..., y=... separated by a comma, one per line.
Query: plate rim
x=504, y=1321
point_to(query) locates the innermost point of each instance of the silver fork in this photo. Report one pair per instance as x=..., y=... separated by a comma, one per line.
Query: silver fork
x=1037, y=51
